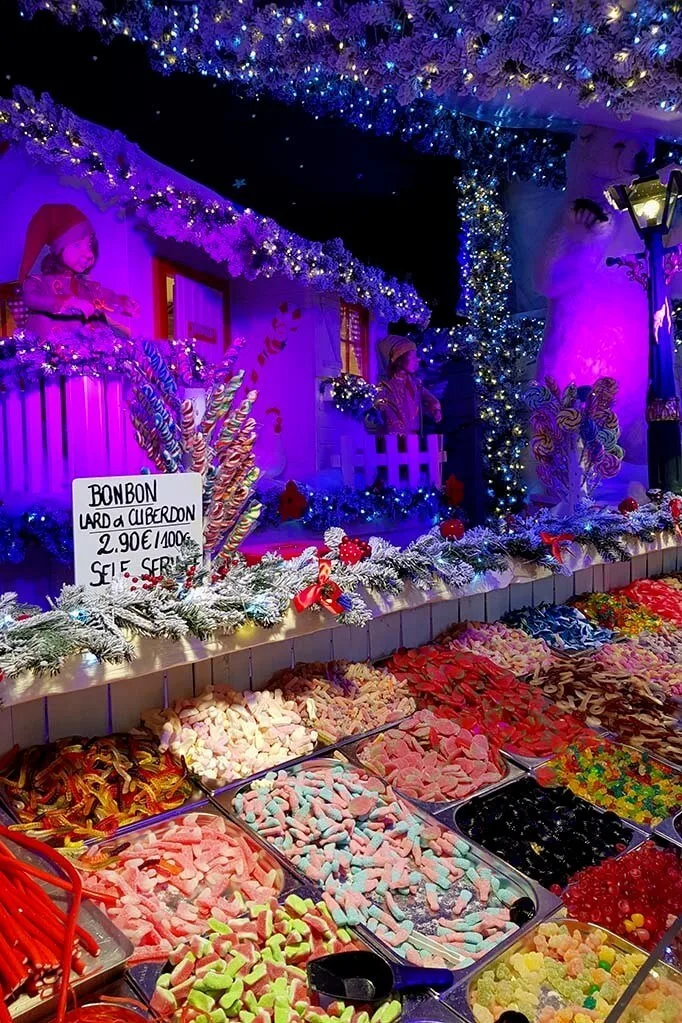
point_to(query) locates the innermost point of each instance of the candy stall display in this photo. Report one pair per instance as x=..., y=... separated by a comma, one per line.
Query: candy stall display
x=560, y=972
x=658, y=1000
x=512, y=649
x=78, y=789
x=653, y=656
x=433, y=760
x=164, y=883
x=618, y=612
x=223, y=735
x=562, y=628
x=637, y=895
x=548, y=834
x=483, y=697
x=341, y=699
x=383, y=863
x=659, y=599
x=254, y=970
x=627, y=781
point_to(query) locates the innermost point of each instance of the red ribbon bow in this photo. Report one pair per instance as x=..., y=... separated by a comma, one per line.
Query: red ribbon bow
x=325, y=592
x=554, y=543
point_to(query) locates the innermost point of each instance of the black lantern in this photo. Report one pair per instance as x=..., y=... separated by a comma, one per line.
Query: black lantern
x=651, y=201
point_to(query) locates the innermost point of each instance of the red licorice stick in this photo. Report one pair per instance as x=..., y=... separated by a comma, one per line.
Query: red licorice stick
x=7, y=861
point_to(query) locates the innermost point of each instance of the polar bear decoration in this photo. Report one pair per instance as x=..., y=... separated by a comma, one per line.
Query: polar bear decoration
x=597, y=316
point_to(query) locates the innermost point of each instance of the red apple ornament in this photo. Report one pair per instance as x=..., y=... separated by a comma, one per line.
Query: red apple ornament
x=628, y=504
x=452, y=529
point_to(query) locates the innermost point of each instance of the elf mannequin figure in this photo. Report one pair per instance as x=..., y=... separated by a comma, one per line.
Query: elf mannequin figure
x=403, y=400
x=62, y=295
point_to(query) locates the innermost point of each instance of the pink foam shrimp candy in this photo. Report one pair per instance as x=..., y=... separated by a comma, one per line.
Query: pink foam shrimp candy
x=380, y=864
x=512, y=649
x=433, y=759
x=223, y=735
x=170, y=880
x=253, y=970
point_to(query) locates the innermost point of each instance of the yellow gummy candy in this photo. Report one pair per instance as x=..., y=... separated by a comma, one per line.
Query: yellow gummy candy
x=637, y=919
x=607, y=954
x=482, y=1015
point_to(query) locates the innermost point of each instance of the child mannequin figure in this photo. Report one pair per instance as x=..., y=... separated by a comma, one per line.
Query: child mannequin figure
x=62, y=295
x=403, y=399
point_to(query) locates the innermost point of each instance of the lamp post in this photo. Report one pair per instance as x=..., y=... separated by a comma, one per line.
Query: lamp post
x=651, y=200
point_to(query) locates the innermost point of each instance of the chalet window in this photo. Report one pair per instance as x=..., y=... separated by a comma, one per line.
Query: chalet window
x=192, y=305
x=354, y=340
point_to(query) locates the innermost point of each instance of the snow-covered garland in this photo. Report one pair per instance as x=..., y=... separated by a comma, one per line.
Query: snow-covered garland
x=195, y=600
x=247, y=244
x=620, y=53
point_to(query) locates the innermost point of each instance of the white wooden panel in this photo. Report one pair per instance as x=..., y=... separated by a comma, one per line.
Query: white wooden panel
x=616, y=574
x=416, y=626
x=543, y=591
x=179, y=683
x=239, y=677
x=472, y=609
x=203, y=675
x=496, y=604
x=266, y=660
x=654, y=563
x=598, y=581
x=669, y=560
x=583, y=580
x=638, y=567
x=350, y=644
x=679, y=557
x=84, y=712
x=28, y=723
x=130, y=699
x=317, y=646
x=443, y=614
x=54, y=435
x=6, y=737
x=221, y=672
x=16, y=456
x=36, y=482
x=563, y=588
x=4, y=440
x=520, y=595
x=384, y=636
x=115, y=410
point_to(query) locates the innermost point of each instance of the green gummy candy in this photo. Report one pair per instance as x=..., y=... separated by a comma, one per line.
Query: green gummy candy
x=296, y=904
x=236, y=963
x=282, y=1013
x=363, y=1017
x=219, y=926
x=217, y=981
x=218, y=1016
x=343, y=935
x=164, y=980
x=246, y=1017
x=200, y=1000
x=388, y=1012
x=266, y=1001
x=251, y=1002
x=259, y=971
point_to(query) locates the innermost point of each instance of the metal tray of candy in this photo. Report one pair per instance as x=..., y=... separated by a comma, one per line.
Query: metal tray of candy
x=420, y=1008
x=674, y=765
x=98, y=970
x=544, y=902
x=671, y=829
x=353, y=751
x=197, y=794
x=286, y=880
x=459, y=997
x=648, y=829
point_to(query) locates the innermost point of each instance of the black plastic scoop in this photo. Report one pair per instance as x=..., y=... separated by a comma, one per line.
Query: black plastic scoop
x=366, y=977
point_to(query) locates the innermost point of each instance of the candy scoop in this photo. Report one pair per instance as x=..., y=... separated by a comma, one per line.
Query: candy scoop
x=367, y=977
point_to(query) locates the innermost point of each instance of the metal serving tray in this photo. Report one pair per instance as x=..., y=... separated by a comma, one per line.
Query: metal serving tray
x=115, y=949
x=354, y=753
x=648, y=829
x=286, y=879
x=449, y=819
x=459, y=998
x=667, y=829
x=544, y=901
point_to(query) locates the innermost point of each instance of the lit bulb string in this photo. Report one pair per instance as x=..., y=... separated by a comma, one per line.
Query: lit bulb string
x=248, y=244
x=623, y=58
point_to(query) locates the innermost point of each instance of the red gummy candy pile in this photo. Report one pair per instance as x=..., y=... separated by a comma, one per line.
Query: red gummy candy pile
x=485, y=698
x=637, y=896
x=663, y=600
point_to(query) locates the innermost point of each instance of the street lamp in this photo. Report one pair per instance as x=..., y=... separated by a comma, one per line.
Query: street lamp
x=651, y=200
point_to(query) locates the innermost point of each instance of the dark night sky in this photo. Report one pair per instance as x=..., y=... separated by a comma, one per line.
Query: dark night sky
x=392, y=206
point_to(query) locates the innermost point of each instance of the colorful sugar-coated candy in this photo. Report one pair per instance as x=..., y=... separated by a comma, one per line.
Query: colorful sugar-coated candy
x=625, y=781
x=547, y=834
x=659, y=999
x=624, y=704
x=75, y=789
x=381, y=865
x=340, y=699
x=651, y=656
x=618, y=612
x=483, y=697
x=223, y=735
x=168, y=881
x=561, y=974
x=561, y=627
x=512, y=649
x=636, y=896
x=433, y=759
x=658, y=598
x=253, y=970
x=674, y=581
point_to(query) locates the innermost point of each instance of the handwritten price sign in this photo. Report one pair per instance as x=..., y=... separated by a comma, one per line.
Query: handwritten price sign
x=133, y=524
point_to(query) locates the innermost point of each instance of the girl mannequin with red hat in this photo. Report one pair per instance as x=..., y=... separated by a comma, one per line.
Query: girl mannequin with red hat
x=403, y=399
x=62, y=294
